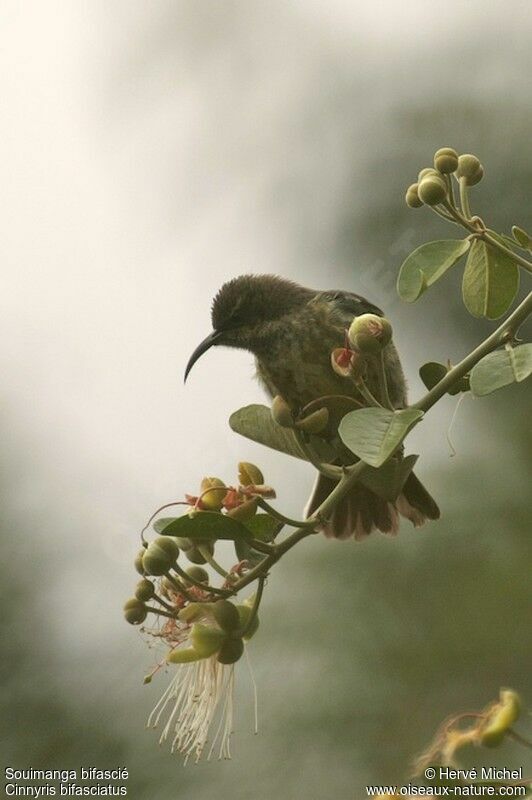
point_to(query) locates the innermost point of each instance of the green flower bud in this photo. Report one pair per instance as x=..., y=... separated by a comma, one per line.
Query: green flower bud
x=370, y=333
x=198, y=573
x=160, y=556
x=432, y=190
x=138, y=561
x=281, y=412
x=194, y=612
x=428, y=171
x=183, y=656
x=446, y=160
x=194, y=554
x=245, y=511
x=469, y=167
x=226, y=615
x=477, y=177
x=135, y=611
x=244, y=612
x=502, y=717
x=231, y=651
x=249, y=474
x=145, y=590
x=206, y=640
x=412, y=197
x=315, y=422
x=212, y=500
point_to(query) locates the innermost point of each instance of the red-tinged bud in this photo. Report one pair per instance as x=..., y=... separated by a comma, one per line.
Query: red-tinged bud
x=370, y=333
x=347, y=363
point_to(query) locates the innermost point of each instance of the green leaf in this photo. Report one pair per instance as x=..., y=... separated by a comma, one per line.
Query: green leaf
x=263, y=527
x=491, y=281
x=501, y=368
x=432, y=373
x=255, y=422
x=203, y=525
x=373, y=434
x=388, y=480
x=427, y=264
x=523, y=239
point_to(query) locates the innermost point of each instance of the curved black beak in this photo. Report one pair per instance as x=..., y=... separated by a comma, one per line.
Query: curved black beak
x=208, y=342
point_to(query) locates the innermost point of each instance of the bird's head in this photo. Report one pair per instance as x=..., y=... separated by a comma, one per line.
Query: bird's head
x=244, y=309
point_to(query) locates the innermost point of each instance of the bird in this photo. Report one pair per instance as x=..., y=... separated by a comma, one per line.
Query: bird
x=291, y=330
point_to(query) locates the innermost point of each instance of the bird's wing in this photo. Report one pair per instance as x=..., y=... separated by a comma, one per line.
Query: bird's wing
x=349, y=302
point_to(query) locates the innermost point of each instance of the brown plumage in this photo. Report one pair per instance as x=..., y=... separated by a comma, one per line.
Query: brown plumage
x=291, y=331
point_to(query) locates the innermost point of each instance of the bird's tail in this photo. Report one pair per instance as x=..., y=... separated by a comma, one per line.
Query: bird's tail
x=362, y=511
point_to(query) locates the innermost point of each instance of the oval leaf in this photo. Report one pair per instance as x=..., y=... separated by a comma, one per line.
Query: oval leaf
x=427, y=264
x=511, y=365
x=203, y=525
x=373, y=434
x=255, y=422
x=491, y=281
x=263, y=527
x=388, y=480
x=432, y=373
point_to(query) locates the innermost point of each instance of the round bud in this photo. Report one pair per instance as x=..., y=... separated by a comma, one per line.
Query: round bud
x=194, y=554
x=244, y=612
x=206, y=639
x=244, y=511
x=428, y=171
x=160, y=556
x=135, y=611
x=212, y=500
x=432, y=190
x=281, y=412
x=145, y=590
x=446, y=160
x=198, y=573
x=468, y=167
x=138, y=561
x=226, y=615
x=370, y=333
x=315, y=422
x=412, y=197
x=231, y=651
x=477, y=177
x=249, y=474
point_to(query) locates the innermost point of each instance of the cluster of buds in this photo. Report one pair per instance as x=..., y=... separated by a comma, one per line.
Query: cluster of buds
x=432, y=188
x=239, y=502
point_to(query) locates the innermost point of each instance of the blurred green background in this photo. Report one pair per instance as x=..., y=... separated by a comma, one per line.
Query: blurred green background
x=152, y=151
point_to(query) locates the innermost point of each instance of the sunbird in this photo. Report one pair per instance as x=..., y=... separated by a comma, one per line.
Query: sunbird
x=292, y=330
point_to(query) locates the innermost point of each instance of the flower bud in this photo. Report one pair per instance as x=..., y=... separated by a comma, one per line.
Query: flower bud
x=194, y=554
x=469, y=167
x=182, y=656
x=194, y=612
x=432, y=190
x=135, y=611
x=226, y=615
x=347, y=363
x=198, y=573
x=212, y=500
x=428, y=171
x=370, y=333
x=315, y=422
x=231, y=651
x=244, y=612
x=249, y=474
x=244, y=511
x=446, y=160
x=206, y=639
x=138, y=561
x=160, y=556
x=502, y=717
x=145, y=590
x=281, y=412
x=412, y=197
